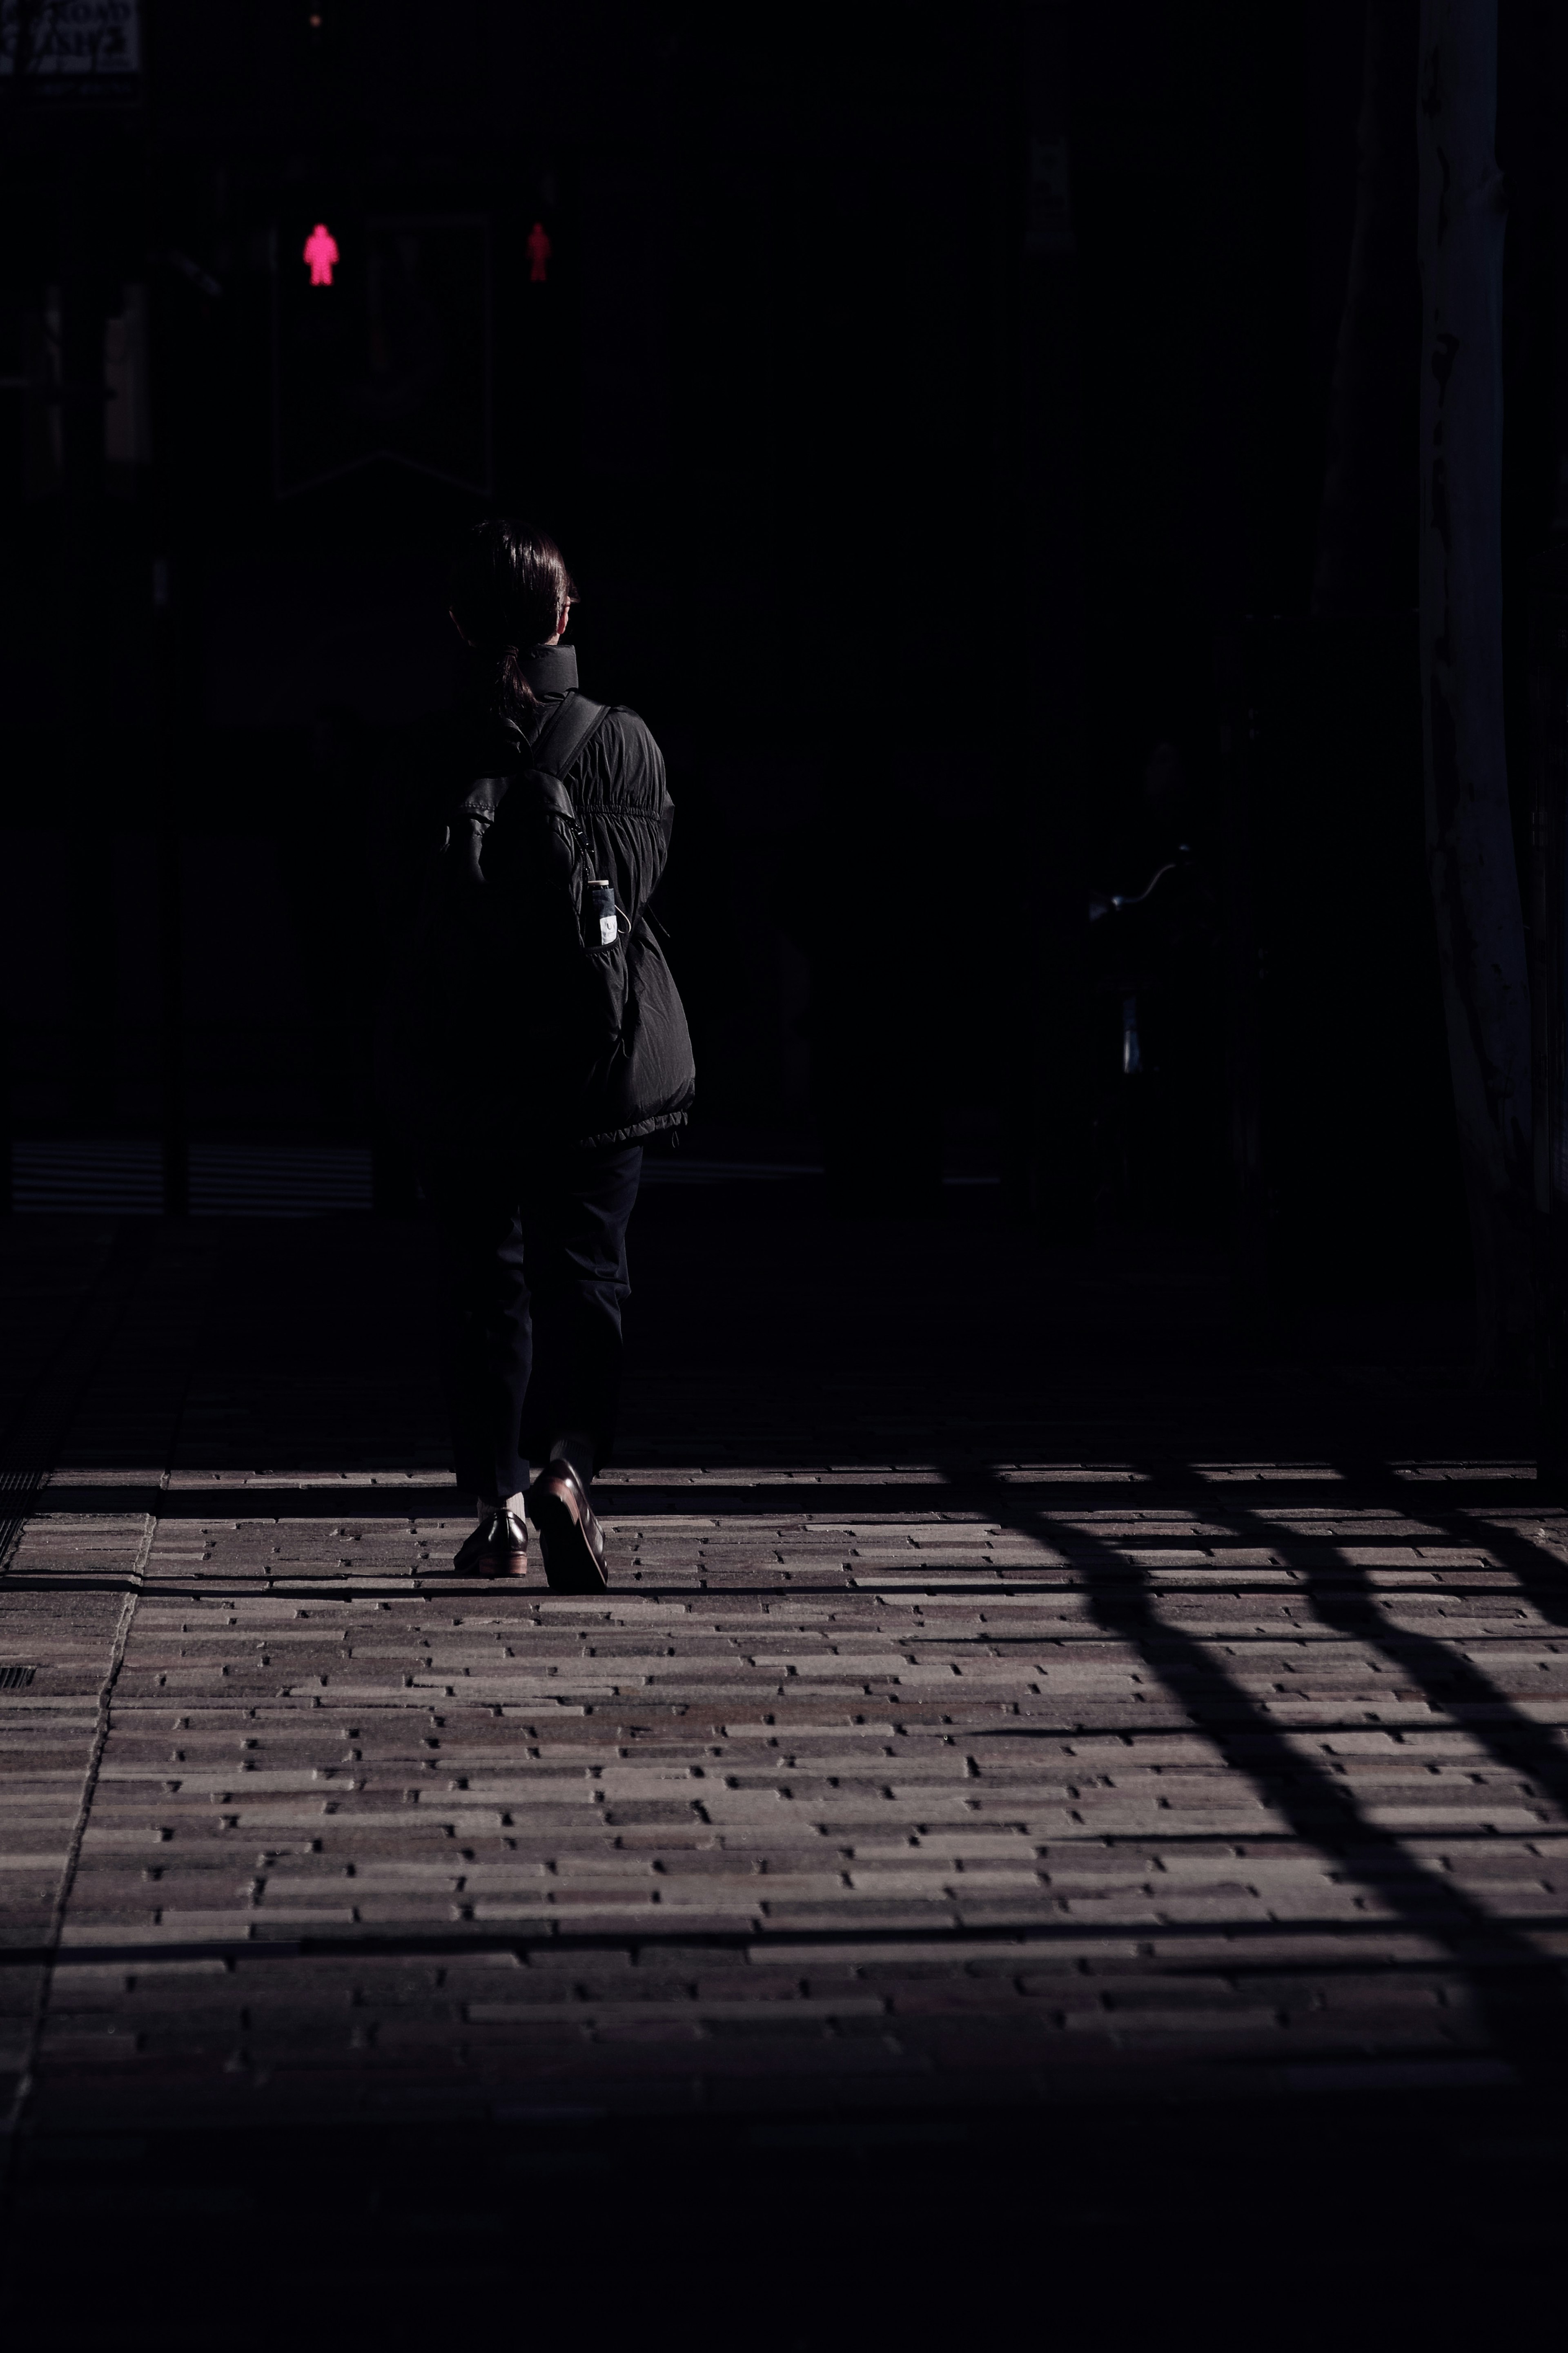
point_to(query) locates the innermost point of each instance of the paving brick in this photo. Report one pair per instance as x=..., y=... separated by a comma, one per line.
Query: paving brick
x=823, y=1793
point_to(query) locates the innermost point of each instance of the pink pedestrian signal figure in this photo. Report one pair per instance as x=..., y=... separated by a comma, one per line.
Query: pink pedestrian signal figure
x=538, y=249
x=320, y=252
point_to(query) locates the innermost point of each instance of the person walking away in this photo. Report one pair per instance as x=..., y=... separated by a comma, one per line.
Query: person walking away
x=537, y=1038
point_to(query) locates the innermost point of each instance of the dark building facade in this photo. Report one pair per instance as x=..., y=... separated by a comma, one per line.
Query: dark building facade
x=916, y=394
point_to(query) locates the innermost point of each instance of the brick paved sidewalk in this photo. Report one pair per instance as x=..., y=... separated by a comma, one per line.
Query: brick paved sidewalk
x=1001, y=1777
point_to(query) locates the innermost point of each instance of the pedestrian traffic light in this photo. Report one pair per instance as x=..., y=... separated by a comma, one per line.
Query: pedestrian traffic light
x=322, y=254
x=381, y=346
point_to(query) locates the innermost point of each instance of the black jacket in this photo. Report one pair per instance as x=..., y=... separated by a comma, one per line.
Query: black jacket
x=624, y=1070
x=514, y=1027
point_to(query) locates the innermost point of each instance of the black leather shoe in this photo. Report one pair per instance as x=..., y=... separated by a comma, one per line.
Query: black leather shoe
x=497, y=1548
x=570, y=1538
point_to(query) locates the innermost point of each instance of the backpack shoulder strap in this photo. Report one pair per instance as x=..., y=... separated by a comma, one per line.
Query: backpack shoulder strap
x=564, y=735
x=567, y=734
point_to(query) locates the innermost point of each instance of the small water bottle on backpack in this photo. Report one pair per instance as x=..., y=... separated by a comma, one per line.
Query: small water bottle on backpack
x=601, y=924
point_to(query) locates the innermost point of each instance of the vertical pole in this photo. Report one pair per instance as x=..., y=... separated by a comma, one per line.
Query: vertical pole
x=1251, y=1269
x=1549, y=1005
x=1470, y=829
x=171, y=913
x=1047, y=1145
x=7, y=1156
x=165, y=671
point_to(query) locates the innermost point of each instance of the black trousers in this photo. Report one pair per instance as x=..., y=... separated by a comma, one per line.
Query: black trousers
x=536, y=1258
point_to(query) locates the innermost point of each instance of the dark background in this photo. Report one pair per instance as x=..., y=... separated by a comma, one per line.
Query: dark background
x=935, y=408
x=932, y=404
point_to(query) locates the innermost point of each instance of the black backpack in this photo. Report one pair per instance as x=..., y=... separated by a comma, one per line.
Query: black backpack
x=524, y=1004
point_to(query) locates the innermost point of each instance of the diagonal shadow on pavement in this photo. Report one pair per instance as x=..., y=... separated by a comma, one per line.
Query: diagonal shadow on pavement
x=1517, y=1990
x=1343, y=1597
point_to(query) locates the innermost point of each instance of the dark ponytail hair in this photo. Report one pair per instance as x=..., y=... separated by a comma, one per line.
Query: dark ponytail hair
x=510, y=589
